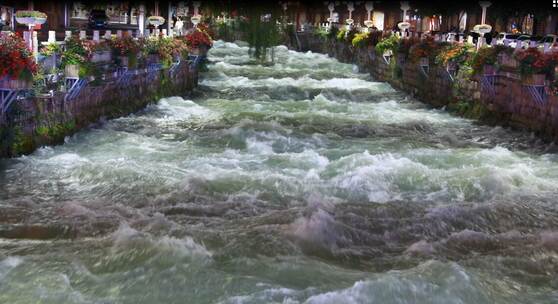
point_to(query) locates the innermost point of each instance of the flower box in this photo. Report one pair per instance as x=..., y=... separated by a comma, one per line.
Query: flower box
x=507, y=60
x=201, y=50
x=152, y=59
x=534, y=79
x=15, y=84
x=71, y=70
x=123, y=61
x=102, y=56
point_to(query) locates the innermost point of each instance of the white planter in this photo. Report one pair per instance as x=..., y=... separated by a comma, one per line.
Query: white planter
x=25, y=20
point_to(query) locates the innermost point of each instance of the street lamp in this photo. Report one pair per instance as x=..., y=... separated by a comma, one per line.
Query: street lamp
x=350, y=9
x=369, y=5
x=483, y=28
x=196, y=18
x=404, y=25
x=331, y=8
x=31, y=18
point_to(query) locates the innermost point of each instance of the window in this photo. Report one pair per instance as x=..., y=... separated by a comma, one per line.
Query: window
x=6, y=18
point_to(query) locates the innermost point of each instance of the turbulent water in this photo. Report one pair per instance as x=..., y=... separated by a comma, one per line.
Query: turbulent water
x=301, y=182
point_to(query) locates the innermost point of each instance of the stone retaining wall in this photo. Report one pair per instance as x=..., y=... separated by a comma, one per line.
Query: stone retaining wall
x=508, y=103
x=36, y=122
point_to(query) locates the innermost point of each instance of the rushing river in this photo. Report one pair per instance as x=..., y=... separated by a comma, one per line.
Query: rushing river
x=301, y=182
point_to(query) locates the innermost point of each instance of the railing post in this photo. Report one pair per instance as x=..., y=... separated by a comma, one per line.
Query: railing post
x=119, y=33
x=108, y=34
x=51, y=37
x=67, y=35
x=27, y=38
x=96, y=36
x=82, y=35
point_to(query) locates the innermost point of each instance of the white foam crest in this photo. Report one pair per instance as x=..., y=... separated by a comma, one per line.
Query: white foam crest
x=178, y=108
x=304, y=82
x=7, y=264
x=373, y=175
x=318, y=229
x=431, y=282
x=127, y=238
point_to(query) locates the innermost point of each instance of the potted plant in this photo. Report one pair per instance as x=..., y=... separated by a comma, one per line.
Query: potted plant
x=17, y=64
x=150, y=50
x=452, y=56
x=535, y=66
x=424, y=50
x=126, y=50
x=76, y=57
x=386, y=47
x=198, y=42
x=50, y=56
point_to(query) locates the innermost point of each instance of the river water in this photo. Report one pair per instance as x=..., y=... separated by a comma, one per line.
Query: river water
x=301, y=182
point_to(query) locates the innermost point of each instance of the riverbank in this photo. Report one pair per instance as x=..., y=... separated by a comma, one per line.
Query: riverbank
x=498, y=97
x=43, y=121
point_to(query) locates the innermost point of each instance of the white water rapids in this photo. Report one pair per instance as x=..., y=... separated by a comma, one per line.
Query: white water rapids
x=301, y=182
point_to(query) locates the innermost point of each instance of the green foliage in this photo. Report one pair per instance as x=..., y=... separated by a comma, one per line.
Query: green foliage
x=56, y=131
x=262, y=31
x=332, y=34
x=322, y=32
x=50, y=49
x=391, y=43
x=341, y=34
x=360, y=40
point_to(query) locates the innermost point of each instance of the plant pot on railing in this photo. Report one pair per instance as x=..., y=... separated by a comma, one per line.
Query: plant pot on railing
x=200, y=50
x=71, y=70
x=534, y=79
x=48, y=63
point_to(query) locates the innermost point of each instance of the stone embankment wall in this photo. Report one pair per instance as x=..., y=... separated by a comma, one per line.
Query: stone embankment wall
x=35, y=122
x=498, y=99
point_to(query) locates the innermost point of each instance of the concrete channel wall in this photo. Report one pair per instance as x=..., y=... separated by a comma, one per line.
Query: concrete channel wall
x=499, y=98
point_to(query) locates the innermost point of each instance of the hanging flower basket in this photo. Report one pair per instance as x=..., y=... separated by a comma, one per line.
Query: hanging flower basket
x=156, y=21
x=196, y=19
x=30, y=17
